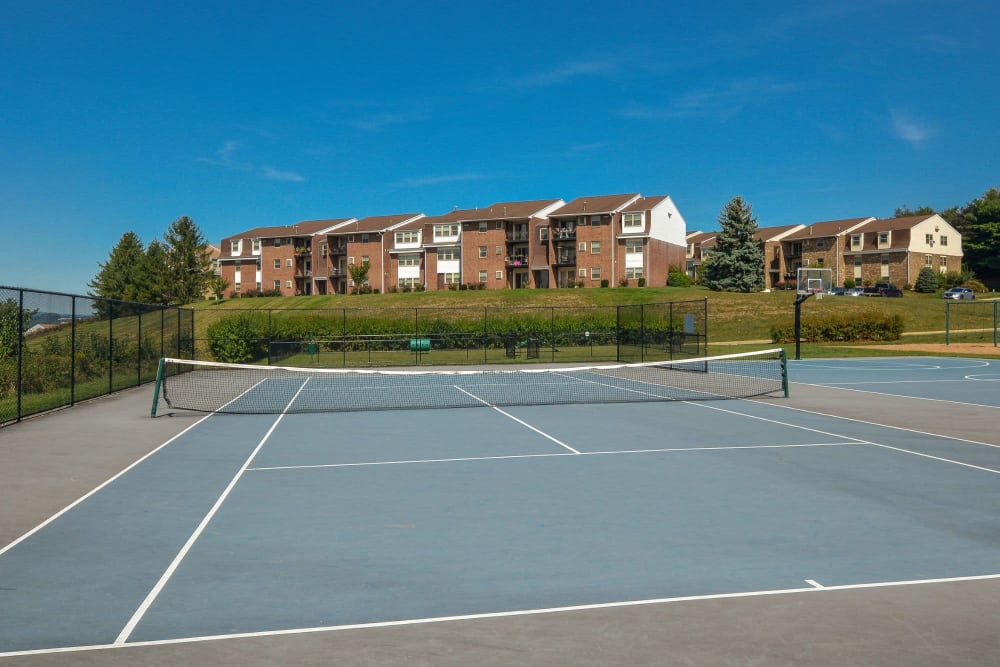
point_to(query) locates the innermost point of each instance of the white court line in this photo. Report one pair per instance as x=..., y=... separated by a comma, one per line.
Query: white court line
x=814, y=583
x=169, y=572
x=614, y=452
x=521, y=422
x=502, y=614
x=882, y=393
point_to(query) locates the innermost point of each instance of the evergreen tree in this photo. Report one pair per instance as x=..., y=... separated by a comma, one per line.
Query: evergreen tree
x=156, y=282
x=189, y=261
x=736, y=264
x=927, y=280
x=120, y=276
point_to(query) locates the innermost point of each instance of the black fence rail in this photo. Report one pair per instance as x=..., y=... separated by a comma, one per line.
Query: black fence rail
x=58, y=349
x=445, y=336
x=972, y=322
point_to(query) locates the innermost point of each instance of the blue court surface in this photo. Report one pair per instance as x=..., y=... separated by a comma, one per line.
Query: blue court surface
x=250, y=525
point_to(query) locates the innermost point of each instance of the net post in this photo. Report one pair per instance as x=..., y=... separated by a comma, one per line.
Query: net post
x=784, y=372
x=156, y=389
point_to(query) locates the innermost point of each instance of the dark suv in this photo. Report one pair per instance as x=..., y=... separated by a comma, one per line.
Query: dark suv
x=883, y=289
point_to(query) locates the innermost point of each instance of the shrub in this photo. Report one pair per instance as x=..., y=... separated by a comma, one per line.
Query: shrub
x=641, y=282
x=605, y=282
x=678, y=278
x=849, y=283
x=859, y=328
x=623, y=282
x=239, y=339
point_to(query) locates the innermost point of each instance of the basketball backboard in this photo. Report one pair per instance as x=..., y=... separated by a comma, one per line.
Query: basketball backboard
x=814, y=281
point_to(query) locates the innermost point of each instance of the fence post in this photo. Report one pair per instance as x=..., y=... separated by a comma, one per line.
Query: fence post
x=72, y=351
x=111, y=345
x=20, y=348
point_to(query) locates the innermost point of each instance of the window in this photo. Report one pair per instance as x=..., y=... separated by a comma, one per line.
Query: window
x=409, y=259
x=928, y=261
x=883, y=239
x=595, y=221
x=857, y=267
x=235, y=247
x=595, y=247
x=365, y=259
x=631, y=220
x=407, y=237
x=276, y=243
x=582, y=247
x=288, y=262
x=256, y=245
x=445, y=230
x=277, y=263
x=944, y=240
x=943, y=263
x=595, y=273
x=583, y=273
x=820, y=243
x=499, y=250
x=819, y=262
x=258, y=287
x=409, y=283
x=277, y=284
x=238, y=264
x=483, y=226
x=350, y=238
x=543, y=233
x=499, y=275
x=236, y=288
x=633, y=246
x=929, y=239
x=451, y=278
x=288, y=284
x=448, y=254
x=633, y=272
x=482, y=276
x=350, y=260
x=322, y=249
x=364, y=238
x=499, y=224
x=855, y=241
x=885, y=266
x=482, y=251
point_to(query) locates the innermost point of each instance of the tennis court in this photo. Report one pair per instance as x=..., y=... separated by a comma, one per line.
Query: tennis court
x=854, y=521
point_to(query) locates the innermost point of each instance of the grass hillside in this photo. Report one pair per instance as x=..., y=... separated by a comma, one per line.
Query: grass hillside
x=731, y=316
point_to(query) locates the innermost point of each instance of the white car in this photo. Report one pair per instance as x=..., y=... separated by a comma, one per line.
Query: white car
x=959, y=293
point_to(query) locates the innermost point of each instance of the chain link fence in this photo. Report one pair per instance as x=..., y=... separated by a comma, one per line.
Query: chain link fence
x=58, y=349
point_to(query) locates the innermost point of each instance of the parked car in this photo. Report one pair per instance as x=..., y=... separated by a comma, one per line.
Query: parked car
x=883, y=289
x=959, y=293
x=854, y=291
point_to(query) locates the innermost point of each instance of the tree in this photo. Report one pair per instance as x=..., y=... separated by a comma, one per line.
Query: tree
x=13, y=322
x=120, y=277
x=905, y=212
x=155, y=281
x=736, y=264
x=218, y=285
x=927, y=280
x=979, y=223
x=189, y=260
x=359, y=274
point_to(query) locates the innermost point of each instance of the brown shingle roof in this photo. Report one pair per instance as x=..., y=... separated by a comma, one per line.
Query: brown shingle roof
x=644, y=204
x=889, y=224
x=375, y=223
x=594, y=205
x=824, y=229
x=509, y=210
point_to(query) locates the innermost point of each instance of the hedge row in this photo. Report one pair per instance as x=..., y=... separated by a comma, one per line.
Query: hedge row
x=867, y=327
x=246, y=337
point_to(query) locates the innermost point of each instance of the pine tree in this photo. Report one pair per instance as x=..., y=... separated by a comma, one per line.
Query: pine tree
x=927, y=280
x=188, y=260
x=736, y=264
x=120, y=276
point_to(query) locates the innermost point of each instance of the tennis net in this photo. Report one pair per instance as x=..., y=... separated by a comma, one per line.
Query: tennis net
x=248, y=389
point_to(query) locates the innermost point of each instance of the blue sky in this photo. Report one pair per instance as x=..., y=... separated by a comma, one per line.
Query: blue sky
x=122, y=116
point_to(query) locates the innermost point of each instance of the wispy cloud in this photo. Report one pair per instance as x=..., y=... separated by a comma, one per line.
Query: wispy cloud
x=722, y=101
x=226, y=157
x=438, y=180
x=564, y=72
x=272, y=174
x=909, y=129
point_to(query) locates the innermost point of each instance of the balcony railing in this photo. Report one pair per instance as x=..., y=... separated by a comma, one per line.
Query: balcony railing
x=517, y=260
x=565, y=259
x=518, y=237
x=563, y=235
x=337, y=250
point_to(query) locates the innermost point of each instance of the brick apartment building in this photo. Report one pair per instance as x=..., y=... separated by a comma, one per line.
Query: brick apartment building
x=588, y=242
x=866, y=250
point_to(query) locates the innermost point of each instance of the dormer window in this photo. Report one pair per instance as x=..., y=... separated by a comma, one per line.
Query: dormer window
x=856, y=241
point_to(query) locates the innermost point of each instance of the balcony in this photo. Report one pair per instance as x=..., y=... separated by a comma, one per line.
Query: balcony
x=518, y=237
x=517, y=261
x=337, y=250
x=337, y=272
x=564, y=234
x=565, y=259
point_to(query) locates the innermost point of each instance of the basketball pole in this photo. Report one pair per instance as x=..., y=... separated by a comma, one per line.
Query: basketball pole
x=798, y=323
